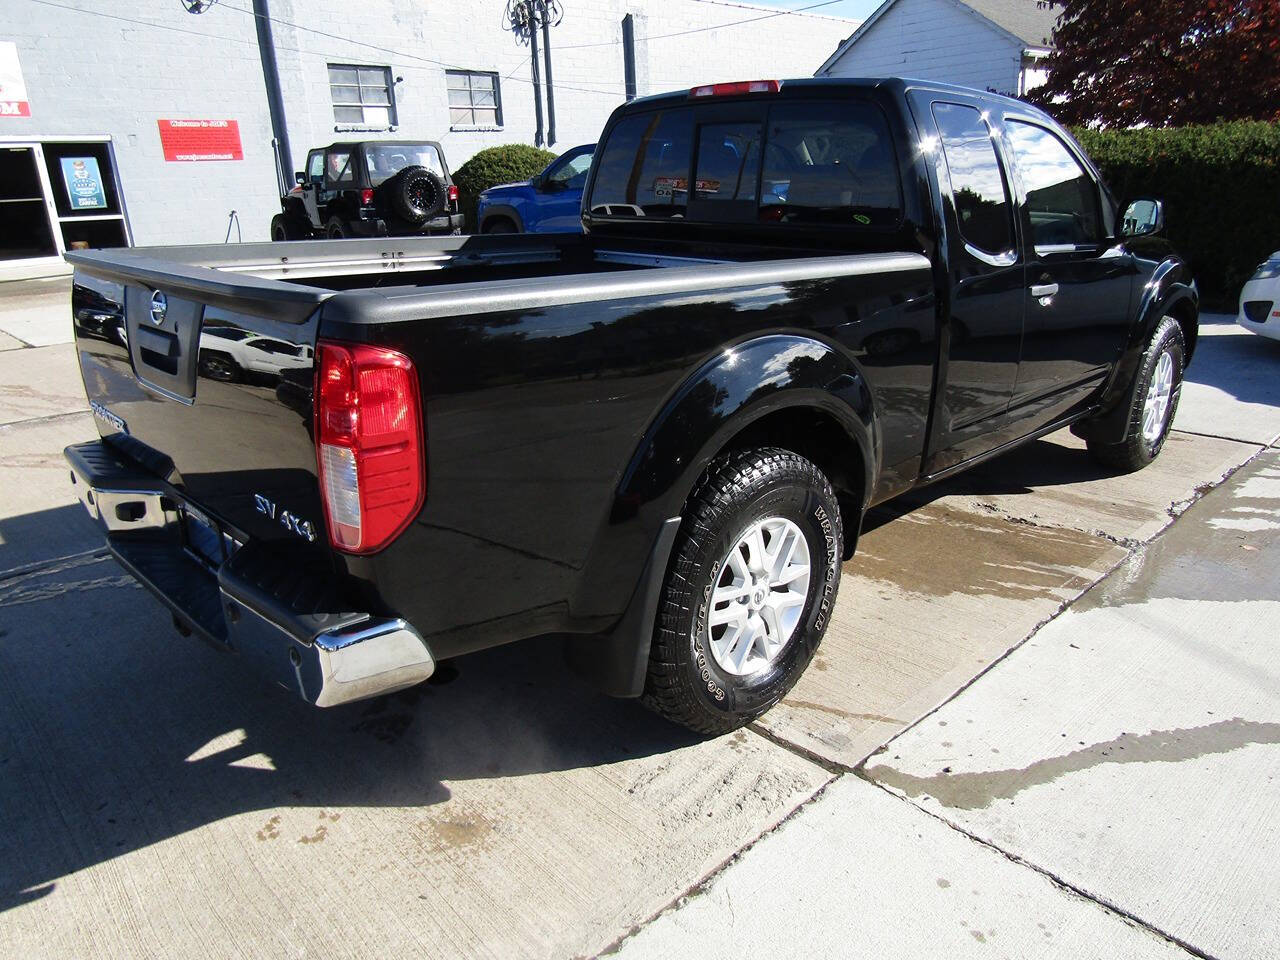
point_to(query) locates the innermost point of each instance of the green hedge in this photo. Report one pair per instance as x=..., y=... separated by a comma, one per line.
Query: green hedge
x=1221, y=189
x=506, y=164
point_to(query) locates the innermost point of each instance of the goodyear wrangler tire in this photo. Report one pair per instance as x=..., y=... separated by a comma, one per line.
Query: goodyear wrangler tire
x=749, y=591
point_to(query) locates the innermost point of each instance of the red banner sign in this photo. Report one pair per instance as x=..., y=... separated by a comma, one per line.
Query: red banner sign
x=200, y=140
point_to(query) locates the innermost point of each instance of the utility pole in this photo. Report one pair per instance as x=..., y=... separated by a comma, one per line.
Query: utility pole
x=526, y=19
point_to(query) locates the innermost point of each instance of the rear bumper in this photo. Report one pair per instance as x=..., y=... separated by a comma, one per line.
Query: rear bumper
x=288, y=623
x=444, y=224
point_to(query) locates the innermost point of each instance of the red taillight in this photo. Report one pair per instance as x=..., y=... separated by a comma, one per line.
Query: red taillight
x=736, y=89
x=368, y=444
x=366, y=197
x=453, y=193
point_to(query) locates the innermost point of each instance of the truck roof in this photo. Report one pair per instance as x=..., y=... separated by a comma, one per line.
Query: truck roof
x=805, y=84
x=339, y=144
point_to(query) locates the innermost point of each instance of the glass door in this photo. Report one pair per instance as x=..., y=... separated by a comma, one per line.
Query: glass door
x=27, y=235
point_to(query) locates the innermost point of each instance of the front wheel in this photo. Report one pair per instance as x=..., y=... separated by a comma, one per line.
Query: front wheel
x=1154, y=401
x=749, y=591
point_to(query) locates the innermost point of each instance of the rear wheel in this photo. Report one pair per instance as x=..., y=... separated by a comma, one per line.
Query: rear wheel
x=219, y=366
x=1153, y=403
x=749, y=592
x=335, y=229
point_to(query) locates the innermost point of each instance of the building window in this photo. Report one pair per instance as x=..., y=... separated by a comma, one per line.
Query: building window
x=474, y=98
x=362, y=95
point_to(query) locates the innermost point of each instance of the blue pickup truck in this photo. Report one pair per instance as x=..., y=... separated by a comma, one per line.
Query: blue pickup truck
x=549, y=203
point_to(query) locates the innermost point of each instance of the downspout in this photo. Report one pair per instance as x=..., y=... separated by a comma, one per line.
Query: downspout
x=629, y=55
x=537, y=85
x=275, y=97
x=551, y=93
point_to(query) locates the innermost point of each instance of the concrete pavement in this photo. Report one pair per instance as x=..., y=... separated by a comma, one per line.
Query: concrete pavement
x=1131, y=748
x=161, y=803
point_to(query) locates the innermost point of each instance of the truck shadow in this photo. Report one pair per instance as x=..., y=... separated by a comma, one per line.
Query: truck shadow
x=116, y=733
x=1040, y=463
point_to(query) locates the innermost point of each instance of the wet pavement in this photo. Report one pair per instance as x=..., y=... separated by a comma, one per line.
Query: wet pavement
x=1131, y=748
x=162, y=803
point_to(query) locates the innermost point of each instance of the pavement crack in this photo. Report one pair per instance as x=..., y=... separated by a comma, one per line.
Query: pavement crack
x=699, y=887
x=1060, y=882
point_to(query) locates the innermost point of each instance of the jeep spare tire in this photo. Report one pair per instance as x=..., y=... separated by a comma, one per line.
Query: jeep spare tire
x=416, y=194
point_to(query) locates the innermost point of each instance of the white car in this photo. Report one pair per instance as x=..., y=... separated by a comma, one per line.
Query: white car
x=1260, y=300
x=229, y=353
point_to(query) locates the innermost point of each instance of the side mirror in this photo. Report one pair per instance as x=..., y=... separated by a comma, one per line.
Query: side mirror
x=538, y=183
x=300, y=178
x=1142, y=218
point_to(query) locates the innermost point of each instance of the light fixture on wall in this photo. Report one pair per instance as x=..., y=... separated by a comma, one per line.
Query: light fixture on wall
x=197, y=6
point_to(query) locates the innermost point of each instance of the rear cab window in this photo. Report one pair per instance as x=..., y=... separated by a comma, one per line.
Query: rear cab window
x=385, y=160
x=798, y=162
x=979, y=190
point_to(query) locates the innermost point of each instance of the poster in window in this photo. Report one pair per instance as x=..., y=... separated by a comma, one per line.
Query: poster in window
x=84, y=183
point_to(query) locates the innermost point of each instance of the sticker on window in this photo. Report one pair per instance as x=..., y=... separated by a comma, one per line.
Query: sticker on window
x=669, y=186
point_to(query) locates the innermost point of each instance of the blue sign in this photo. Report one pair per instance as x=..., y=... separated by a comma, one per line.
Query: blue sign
x=84, y=183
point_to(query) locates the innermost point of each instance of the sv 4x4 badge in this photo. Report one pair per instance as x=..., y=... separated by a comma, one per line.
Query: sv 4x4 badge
x=303, y=528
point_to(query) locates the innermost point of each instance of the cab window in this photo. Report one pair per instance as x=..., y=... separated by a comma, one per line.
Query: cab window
x=978, y=188
x=1062, y=199
x=644, y=169
x=315, y=166
x=728, y=161
x=830, y=163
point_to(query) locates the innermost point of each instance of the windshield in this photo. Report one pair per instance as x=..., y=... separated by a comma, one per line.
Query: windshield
x=385, y=160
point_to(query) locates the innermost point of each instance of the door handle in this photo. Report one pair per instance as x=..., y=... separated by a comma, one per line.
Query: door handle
x=1044, y=290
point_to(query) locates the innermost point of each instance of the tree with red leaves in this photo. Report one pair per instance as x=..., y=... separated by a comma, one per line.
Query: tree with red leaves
x=1123, y=63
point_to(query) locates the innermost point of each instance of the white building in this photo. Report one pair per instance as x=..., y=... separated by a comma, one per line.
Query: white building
x=90, y=151
x=995, y=45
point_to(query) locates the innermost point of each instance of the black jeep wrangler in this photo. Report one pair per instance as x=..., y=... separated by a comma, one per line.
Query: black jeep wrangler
x=376, y=188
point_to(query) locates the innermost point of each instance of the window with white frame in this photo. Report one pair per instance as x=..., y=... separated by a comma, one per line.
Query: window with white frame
x=474, y=98
x=363, y=96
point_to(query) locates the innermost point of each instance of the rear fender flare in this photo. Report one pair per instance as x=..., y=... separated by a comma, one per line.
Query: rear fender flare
x=738, y=387
x=735, y=388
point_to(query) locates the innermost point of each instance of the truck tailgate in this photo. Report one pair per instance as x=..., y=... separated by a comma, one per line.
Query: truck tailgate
x=207, y=381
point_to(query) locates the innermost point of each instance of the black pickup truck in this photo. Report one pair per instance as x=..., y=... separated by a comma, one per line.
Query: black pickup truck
x=656, y=440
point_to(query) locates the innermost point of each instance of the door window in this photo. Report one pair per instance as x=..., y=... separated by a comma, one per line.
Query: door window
x=572, y=174
x=339, y=167
x=315, y=166
x=978, y=188
x=27, y=232
x=1062, y=199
